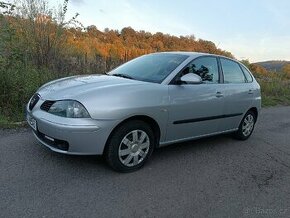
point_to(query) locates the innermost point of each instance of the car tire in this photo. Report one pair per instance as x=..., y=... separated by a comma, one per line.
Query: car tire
x=130, y=146
x=246, y=126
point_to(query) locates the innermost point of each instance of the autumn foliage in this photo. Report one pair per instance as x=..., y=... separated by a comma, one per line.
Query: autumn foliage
x=112, y=47
x=44, y=42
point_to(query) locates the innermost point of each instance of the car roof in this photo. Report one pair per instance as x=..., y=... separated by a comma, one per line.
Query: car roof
x=193, y=54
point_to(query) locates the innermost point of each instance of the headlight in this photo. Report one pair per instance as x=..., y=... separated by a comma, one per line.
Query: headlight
x=69, y=108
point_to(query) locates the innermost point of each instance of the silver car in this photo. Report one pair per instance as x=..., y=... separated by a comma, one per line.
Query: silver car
x=151, y=101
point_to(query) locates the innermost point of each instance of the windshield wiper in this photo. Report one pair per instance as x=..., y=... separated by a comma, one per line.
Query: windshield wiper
x=122, y=75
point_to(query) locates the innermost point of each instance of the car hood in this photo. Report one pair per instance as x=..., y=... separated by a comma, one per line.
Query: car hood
x=109, y=97
x=72, y=87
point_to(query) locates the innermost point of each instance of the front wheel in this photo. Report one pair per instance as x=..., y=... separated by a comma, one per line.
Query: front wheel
x=130, y=146
x=246, y=126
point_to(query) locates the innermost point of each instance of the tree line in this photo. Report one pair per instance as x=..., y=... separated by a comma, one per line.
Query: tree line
x=41, y=36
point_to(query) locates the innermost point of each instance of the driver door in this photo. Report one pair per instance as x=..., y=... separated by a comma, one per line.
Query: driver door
x=195, y=109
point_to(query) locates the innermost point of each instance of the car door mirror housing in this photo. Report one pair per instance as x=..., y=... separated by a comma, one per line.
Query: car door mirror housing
x=190, y=78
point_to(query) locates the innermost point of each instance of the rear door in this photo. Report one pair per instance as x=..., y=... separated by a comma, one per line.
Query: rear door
x=237, y=91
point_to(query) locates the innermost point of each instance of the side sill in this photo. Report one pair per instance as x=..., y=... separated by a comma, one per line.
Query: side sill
x=161, y=144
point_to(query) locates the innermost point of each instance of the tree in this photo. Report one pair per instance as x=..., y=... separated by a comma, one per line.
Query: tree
x=286, y=68
x=246, y=62
x=258, y=69
x=41, y=30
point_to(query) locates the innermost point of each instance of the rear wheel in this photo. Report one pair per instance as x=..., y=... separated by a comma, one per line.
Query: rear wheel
x=246, y=126
x=130, y=146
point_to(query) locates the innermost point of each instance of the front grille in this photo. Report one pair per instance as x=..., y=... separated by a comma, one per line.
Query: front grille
x=46, y=105
x=33, y=101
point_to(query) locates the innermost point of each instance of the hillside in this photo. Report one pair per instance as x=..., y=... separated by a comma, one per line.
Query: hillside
x=274, y=66
x=37, y=46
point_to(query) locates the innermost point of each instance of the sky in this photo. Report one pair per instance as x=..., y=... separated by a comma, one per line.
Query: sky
x=257, y=30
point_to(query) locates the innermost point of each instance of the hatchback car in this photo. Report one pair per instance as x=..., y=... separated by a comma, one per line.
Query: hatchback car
x=151, y=101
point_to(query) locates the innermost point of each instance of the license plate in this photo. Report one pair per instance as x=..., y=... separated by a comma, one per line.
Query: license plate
x=32, y=122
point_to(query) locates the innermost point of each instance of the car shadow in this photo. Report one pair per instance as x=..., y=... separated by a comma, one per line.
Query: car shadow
x=166, y=153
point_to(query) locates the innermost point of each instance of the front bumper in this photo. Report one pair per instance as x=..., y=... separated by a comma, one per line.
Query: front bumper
x=70, y=135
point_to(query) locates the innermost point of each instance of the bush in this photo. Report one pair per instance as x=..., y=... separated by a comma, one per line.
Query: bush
x=17, y=84
x=275, y=90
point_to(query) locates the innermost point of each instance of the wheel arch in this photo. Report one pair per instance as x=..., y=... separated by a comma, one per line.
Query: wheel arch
x=255, y=111
x=149, y=120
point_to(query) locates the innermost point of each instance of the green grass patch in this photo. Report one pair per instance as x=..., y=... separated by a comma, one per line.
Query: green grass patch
x=18, y=82
x=275, y=90
x=5, y=122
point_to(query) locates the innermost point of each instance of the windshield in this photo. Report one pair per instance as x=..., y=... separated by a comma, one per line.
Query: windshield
x=150, y=68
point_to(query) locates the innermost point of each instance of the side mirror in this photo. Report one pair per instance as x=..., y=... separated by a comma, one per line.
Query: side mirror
x=191, y=78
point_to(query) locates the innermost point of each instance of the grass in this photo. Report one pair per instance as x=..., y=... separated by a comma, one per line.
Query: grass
x=18, y=82
x=275, y=91
x=7, y=123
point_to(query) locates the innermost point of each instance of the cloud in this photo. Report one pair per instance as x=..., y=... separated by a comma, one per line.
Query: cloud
x=258, y=49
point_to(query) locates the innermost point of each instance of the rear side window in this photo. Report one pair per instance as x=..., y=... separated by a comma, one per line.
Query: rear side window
x=232, y=72
x=247, y=74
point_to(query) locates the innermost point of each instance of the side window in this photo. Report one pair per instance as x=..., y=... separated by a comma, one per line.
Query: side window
x=247, y=74
x=232, y=72
x=205, y=67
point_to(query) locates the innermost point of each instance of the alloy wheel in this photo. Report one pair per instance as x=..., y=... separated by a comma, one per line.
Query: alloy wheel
x=248, y=125
x=133, y=148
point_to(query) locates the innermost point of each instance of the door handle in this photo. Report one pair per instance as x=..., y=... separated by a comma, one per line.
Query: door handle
x=250, y=91
x=219, y=94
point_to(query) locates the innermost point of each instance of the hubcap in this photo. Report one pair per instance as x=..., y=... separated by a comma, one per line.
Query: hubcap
x=134, y=148
x=248, y=125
